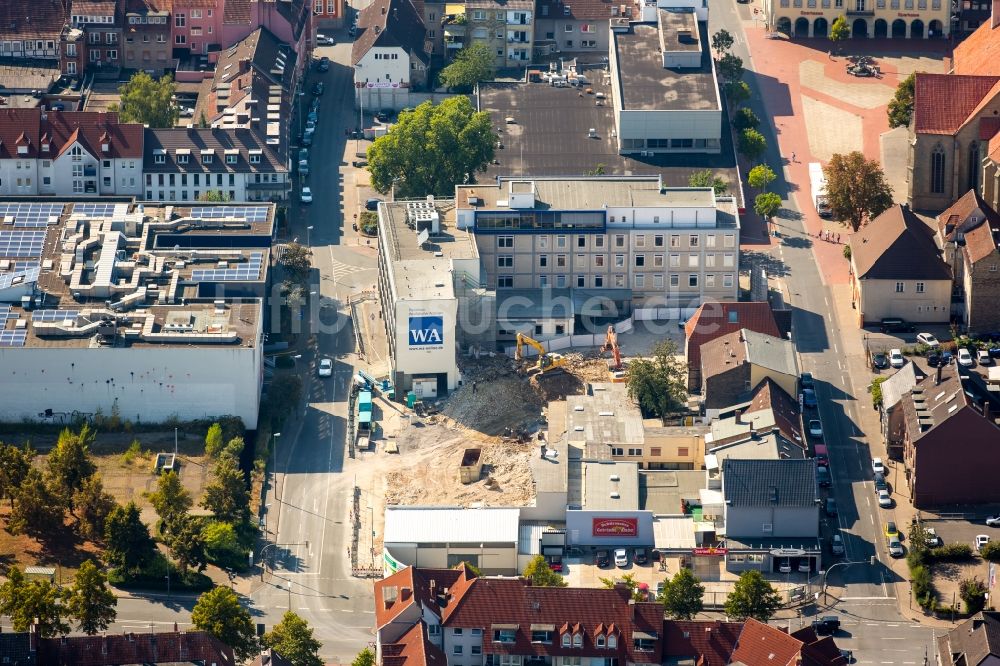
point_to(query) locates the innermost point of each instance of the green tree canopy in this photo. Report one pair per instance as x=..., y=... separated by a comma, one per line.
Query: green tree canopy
x=540, y=575
x=659, y=383
x=630, y=583
x=220, y=613
x=751, y=144
x=148, y=101
x=365, y=658
x=187, y=545
x=682, y=595
x=69, y=463
x=752, y=596
x=745, y=118
x=856, y=189
x=839, y=29
x=722, y=41
x=129, y=545
x=296, y=259
x=472, y=64
x=730, y=67
x=900, y=108
x=91, y=602
x=432, y=148
x=37, y=509
x=171, y=499
x=226, y=495
x=707, y=178
x=292, y=638
x=736, y=92
x=93, y=505
x=36, y=602
x=760, y=177
x=14, y=465
x=766, y=204
x=217, y=196
x=214, y=441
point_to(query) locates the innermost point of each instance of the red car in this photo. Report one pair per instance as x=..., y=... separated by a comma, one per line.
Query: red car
x=555, y=562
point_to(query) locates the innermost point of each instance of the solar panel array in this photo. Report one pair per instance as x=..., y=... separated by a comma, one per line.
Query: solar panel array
x=54, y=315
x=8, y=280
x=95, y=210
x=23, y=265
x=21, y=243
x=247, y=271
x=30, y=215
x=248, y=213
x=13, y=338
x=5, y=314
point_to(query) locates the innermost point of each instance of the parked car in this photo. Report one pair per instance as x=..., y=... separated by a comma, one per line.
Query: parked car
x=931, y=537
x=306, y=196
x=303, y=154
x=602, y=559
x=983, y=357
x=382, y=116
x=372, y=204
x=981, y=540
x=993, y=521
x=896, y=359
x=837, y=544
x=325, y=367
x=879, y=360
x=826, y=625
x=785, y=565
x=935, y=359
x=307, y=139
x=303, y=168
x=805, y=565
x=639, y=556
x=806, y=380
x=831, y=506
x=884, y=499
x=621, y=558
x=965, y=358
x=659, y=588
x=877, y=466
x=890, y=530
x=318, y=89
x=323, y=65
x=555, y=562
x=324, y=40
x=310, y=125
x=313, y=117
x=928, y=339
x=809, y=397
x=815, y=429
x=880, y=482
x=895, y=547
x=895, y=325
x=823, y=476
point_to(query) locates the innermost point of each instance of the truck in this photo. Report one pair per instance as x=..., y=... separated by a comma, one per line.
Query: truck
x=364, y=413
x=817, y=182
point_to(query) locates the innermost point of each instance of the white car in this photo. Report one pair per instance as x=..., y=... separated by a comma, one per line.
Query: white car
x=877, y=466
x=983, y=357
x=896, y=359
x=993, y=521
x=815, y=429
x=323, y=40
x=895, y=547
x=325, y=367
x=928, y=339
x=965, y=358
x=785, y=566
x=306, y=196
x=931, y=537
x=884, y=499
x=981, y=540
x=621, y=558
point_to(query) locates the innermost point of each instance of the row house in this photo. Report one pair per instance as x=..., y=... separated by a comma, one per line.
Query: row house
x=31, y=29
x=196, y=27
x=147, y=36
x=101, y=22
x=328, y=14
x=390, y=54
x=507, y=28
x=188, y=164
x=66, y=153
x=291, y=21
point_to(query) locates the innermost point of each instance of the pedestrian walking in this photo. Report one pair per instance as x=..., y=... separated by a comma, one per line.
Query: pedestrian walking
x=793, y=156
x=473, y=387
x=838, y=238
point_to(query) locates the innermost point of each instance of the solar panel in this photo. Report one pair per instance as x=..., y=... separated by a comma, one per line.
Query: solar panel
x=13, y=338
x=21, y=243
x=30, y=215
x=54, y=315
x=4, y=314
x=247, y=271
x=95, y=209
x=248, y=213
x=21, y=265
x=8, y=280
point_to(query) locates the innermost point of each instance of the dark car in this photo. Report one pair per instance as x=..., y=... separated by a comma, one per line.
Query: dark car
x=809, y=397
x=318, y=89
x=826, y=625
x=602, y=559
x=382, y=116
x=324, y=64
x=640, y=557
x=555, y=562
x=823, y=476
x=934, y=360
x=893, y=325
x=880, y=483
x=831, y=506
x=372, y=204
x=880, y=360
x=806, y=381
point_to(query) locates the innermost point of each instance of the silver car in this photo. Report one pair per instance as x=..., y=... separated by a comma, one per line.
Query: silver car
x=895, y=547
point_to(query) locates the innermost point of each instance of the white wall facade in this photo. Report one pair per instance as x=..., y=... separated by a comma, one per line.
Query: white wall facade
x=181, y=187
x=637, y=128
x=147, y=383
x=429, y=357
x=93, y=176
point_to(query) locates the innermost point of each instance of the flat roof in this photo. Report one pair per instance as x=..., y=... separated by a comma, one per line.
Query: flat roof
x=673, y=532
x=610, y=486
x=550, y=473
x=605, y=416
x=661, y=491
x=550, y=135
x=451, y=524
x=646, y=84
x=586, y=193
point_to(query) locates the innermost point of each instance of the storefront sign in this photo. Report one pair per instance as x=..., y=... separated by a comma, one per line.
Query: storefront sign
x=788, y=552
x=908, y=15
x=711, y=551
x=812, y=13
x=391, y=565
x=426, y=331
x=616, y=527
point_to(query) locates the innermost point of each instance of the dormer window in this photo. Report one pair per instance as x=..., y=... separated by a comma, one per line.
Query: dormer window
x=182, y=158
x=232, y=156
x=159, y=156
x=22, y=150
x=577, y=640
x=207, y=156
x=255, y=156
x=504, y=633
x=612, y=642
x=566, y=640
x=599, y=641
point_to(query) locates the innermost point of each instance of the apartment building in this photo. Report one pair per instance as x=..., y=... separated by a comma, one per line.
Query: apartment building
x=31, y=29
x=68, y=152
x=879, y=19
x=659, y=247
x=577, y=26
x=328, y=14
x=102, y=23
x=187, y=164
x=507, y=27
x=390, y=54
x=195, y=25
x=147, y=36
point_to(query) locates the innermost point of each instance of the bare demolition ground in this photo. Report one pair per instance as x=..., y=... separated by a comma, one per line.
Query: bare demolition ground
x=496, y=411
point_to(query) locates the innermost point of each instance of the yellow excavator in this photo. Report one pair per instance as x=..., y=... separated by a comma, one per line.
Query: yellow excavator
x=548, y=362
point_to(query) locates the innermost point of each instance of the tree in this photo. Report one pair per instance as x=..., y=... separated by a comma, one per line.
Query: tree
x=682, y=595
x=736, y=92
x=722, y=41
x=745, y=119
x=171, y=499
x=658, y=384
x=292, y=638
x=365, y=658
x=707, y=178
x=599, y=170
x=202, y=120
x=213, y=440
x=37, y=509
x=296, y=259
x=187, y=544
x=129, y=546
x=752, y=144
x=856, y=189
x=92, y=507
x=226, y=495
x=730, y=67
x=219, y=612
x=472, y=64
x=147, y=101
x=69, y=463
x=284, y=394
x=760, y=177
x=752, y=596
x=220, y=540
x=630, y=583
x=214, y=196
x=973, y=593
x=433, y=148
x=839, y=30
x=766, y=204
x=540, y=575
x=900, y=109
x=91, y=602
x=37, y=602
x=14, y=465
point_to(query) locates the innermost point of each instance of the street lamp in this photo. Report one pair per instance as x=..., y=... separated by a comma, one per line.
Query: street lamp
x=274, y=477
x=289, y=595
x=309, y=236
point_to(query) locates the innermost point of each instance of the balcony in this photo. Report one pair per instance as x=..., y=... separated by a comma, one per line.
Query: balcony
x=861, y=12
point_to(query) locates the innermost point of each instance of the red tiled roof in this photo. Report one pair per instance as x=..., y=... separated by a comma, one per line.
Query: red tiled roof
x=47, y=18
x=413, y=649
x=977, y=221
x=237, y=11
x=581, y=10
x=989, y=126
x=713, y=320
x=762, y=645
x=708, y=643
x=979, y=53
x=96, y=7
x=64, y=127
x=768, y=395
x=134, y=649
x=943, y=102
x=418, y=583
x=994, y=148
x=509, y=601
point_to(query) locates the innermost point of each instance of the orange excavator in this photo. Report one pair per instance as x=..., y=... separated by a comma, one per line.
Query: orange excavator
x=617, y=371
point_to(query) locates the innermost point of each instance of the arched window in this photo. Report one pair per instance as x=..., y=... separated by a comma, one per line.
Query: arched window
x=612, y=641
x=577, y=640
x=974, y=166
x=937, y=170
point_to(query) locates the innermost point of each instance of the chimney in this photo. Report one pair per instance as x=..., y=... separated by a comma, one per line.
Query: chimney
x=937, y=375
x=383, y=11
x=631, y=609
